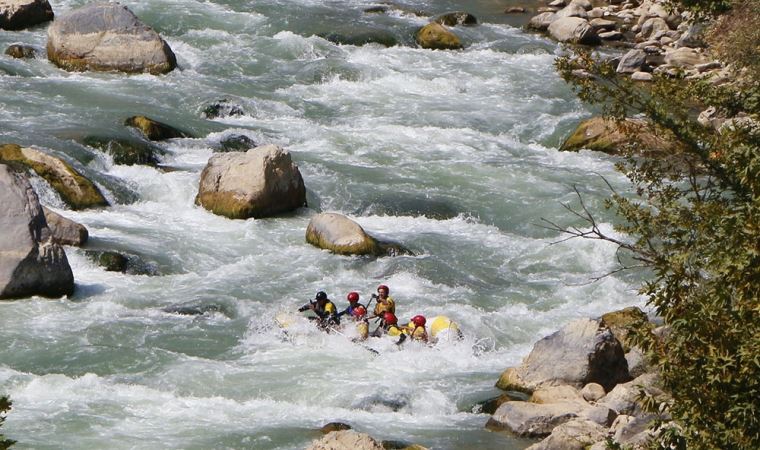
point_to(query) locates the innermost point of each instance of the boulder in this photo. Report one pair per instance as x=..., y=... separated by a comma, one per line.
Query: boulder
x=623, y=397
x=684, y=57
x=625, y=321
x=572, y=10
x=65, y=231
x=613, y=137
x=346, y=440
x=576, y=434
x=515, y=10
x=573, y=30
x=533, y=419
x=113, y=261
x=491, y=405
x=153, y=129
x=339, y=234
x=261, y=182
x=126, y=151
x=642, y=76
x=582, y=352
x=693, y=36
x=107, y=36
x=592, y=392
x=611, y=35
x=20, y=14
x=452, y=19
x=20, y=51
x=77, y=191
x=634, y=432
x=600, y=25
x=30, y=262
x=435, y=36
x=556, y=394
x=585, y=4
x=633, y=61
x=637, y=363
x=651, y=27
x=542, y=21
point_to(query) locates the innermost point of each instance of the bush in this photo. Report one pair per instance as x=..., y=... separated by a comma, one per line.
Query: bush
x=5, y=406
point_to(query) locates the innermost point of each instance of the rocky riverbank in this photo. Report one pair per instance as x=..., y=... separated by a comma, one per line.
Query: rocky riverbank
x=585, y=384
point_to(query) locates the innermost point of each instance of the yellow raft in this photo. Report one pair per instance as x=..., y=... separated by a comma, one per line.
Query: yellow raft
x=443, y=325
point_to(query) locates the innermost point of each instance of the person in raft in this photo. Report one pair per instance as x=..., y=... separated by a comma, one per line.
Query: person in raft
x=416, y=329
x=384, y=302
x=389, y=326
x=353, y=304
x=327, y=313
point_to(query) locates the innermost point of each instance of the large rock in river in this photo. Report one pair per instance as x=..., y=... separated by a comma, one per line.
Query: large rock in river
x=20, y=14
x=435, y=36
x=65, y=231
x=339, y=234
x=107, y=36
x=258, y=183
x=30, y=263
x=573, y=30
x=584, y=351
x=77, y=191
x=613, y=137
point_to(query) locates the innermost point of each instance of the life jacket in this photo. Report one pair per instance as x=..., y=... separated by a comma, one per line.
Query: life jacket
x=415, y=332
x=381, y=308
x=362, y=327
x=393, y=330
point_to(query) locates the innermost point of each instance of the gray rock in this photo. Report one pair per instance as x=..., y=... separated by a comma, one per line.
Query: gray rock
x=637, y=365
x=585, y=4
x=20, y=14
x=105, y=37
x=452, y=19
x=573, y=30
x=611, y=36
x=623, y=397
x=693, y=36
x=576, y=434
x=65, y=231
x=542, y=21
x=582, y=352
x=30, y=262
x=633, y=61
x=652, y=26
x=592, y=392
x=572, y=10
x=602, y=24
x=556, y=394
x=346, y=440
x=435, y=36
x=684, y=57
x=339, y=234
x=532, y=419
x=261, y=182
x=634, y=431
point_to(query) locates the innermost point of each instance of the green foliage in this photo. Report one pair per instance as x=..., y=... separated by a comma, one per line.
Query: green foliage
x=5, y=406
x=694, y=221
x=701, y=9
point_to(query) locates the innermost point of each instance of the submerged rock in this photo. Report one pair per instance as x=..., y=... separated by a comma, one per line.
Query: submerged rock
x=362, y=37
x=20, y=14
x=153, y=129
x=30, y=262
x=126, y=151
x=107, y=36
x=435, y=36
x=21, y=51
x=235, y=143
x=222, y=108
x=65, y=231
x=77, y=191
x=261, y=182
x=452, y=19
x=334, y=426
x=113, y=261
x=582, y=352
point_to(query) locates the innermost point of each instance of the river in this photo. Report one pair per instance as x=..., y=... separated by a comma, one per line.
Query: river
x=452, y=153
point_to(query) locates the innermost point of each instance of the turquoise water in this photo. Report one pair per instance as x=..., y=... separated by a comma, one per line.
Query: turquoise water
x=453, y=154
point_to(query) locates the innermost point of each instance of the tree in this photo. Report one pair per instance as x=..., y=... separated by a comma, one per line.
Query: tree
x=5, y=406
x=693, y=218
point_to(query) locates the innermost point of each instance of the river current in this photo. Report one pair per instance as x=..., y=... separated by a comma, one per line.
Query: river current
x=451, y=153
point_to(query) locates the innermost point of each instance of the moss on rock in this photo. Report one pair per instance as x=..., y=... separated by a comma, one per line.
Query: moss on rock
x=76, y=190
x=153, y=129
x=435, y=36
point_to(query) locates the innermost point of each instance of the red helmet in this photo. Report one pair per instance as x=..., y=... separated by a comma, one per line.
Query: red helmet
x=382, y=286
x=390, y=318
x=359, y=311
x=353, y=297
x=418, y=321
